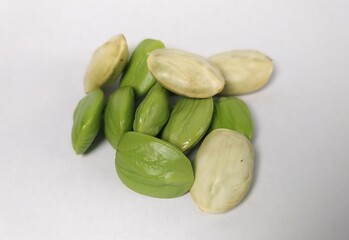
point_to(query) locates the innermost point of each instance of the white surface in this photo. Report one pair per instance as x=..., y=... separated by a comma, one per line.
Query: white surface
x=301, y=177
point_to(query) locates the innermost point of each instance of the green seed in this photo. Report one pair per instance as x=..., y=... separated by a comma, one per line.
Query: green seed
x=87, y=120
x=153, y=112
x=188, y=122
x=136, y=74
x=107, y=63
x=232, y=113
x=153, y=167
x=118, y=116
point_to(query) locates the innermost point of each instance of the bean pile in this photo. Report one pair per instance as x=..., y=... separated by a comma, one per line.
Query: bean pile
x=153, y=137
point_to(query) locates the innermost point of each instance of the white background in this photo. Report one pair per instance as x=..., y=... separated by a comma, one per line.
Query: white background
x=300, y=190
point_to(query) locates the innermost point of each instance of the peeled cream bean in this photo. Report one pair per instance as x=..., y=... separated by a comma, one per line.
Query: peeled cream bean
x=185, y=73
x=107, y=63
x=244, y=71
x=223, y=170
